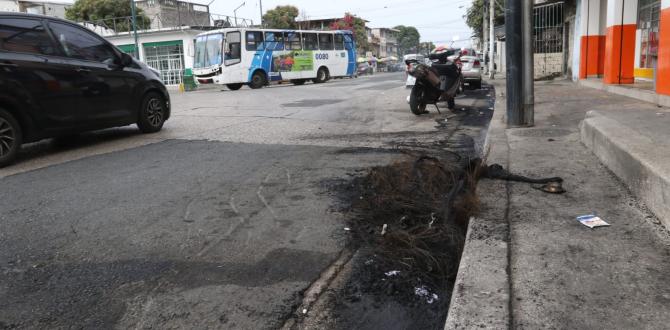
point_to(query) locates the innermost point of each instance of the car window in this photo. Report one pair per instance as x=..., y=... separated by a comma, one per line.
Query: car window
x=293, y=41
x=81, y=44
x=348, y=41
x=25, y=36
x=325, y=41
x=274, y=41
x=310, y=41
x=233, y=49
x=339, y=41
x=254, y=40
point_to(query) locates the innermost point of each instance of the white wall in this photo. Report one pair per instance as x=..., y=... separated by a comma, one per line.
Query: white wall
x=186, y=35
x=9, y=5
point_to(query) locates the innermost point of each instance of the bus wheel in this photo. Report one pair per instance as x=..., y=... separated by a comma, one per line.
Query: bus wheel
x=234, y=87
x=298, y=82
x=321, y=76
x=257, y=80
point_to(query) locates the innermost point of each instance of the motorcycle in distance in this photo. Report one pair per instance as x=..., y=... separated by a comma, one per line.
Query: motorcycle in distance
x=442, y=80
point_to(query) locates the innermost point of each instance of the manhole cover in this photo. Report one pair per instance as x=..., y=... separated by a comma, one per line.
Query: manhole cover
x=541, y=132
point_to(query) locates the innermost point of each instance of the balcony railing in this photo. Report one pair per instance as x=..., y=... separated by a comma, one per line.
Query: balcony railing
x=124, y=25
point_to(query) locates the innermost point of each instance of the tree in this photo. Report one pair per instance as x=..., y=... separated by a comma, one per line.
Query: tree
x=355, y=25
x=408, y=39
x=281, y=17
x=114, y=14
x=475, y=15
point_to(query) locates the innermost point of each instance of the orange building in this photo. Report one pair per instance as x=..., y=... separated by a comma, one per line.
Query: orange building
x=624, y=41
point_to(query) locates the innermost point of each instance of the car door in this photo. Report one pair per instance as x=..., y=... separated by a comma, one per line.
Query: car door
x=105, y=87
x=34, y=75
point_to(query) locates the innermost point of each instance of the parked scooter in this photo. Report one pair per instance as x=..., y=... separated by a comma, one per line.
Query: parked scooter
x=442, y=80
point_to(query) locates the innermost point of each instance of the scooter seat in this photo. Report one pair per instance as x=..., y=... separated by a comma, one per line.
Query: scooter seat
x=449, y=70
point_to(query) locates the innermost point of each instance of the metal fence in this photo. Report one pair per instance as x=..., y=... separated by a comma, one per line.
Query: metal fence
x=548, y=40
x=123, y=25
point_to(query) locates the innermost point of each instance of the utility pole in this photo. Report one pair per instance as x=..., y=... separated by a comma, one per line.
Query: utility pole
x=235, y=12
x=485, y=31
x=492, y=38
x=133, y=12
x=260, y=4
x=513, y=54
x=528, y=64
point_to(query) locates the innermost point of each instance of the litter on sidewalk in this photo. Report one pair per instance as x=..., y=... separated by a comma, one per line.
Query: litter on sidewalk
x=592, y=221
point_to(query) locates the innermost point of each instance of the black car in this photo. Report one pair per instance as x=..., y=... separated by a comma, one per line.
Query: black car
x=58, y=78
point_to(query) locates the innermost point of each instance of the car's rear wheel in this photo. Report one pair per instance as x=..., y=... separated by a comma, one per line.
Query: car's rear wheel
x=477, y=84
x=152, y=113
x=10, y=138
x=234, y=87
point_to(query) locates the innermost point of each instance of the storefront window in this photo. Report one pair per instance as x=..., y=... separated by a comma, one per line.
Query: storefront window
x=647, y=23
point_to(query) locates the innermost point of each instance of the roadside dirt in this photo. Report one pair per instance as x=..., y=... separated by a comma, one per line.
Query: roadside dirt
x=406, y=225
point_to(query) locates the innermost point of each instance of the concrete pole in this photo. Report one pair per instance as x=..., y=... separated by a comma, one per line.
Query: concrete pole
x=528, y=64
x=485, y=31
x=260, y=4
x=492, y=38
x=134, y=18
x=513, y=54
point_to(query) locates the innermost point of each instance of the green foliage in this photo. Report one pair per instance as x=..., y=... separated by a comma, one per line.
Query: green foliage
x=475, y=16
x=408, y=39
x=281, y=17
x=357, y=26
x=111, y=13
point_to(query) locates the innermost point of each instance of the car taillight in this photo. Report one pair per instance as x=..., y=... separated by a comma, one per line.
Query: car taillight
x=476, y=64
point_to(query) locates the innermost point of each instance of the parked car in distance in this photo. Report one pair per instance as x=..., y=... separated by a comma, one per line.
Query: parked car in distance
x=58, y=78
x=472, y=71
x=364, y=68
x=397, y=67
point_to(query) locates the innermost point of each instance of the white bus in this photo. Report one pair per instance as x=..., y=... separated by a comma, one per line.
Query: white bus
x=245, y=56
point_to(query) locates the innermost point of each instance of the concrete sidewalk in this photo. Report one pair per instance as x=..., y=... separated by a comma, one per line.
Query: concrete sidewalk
x=528, y=263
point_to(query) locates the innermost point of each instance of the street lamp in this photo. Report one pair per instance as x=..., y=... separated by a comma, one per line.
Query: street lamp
x=235, y=12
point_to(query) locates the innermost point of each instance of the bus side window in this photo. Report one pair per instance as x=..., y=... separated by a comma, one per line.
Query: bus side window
x=348, y=41
x=274, y=41
x=233, y=48
x=254, y=40
x=310, y=41
x=325, y=41
x=293, y=41
x=339, y=41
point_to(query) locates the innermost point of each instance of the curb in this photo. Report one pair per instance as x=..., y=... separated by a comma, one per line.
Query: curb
x=481, y=296
x=626, y=153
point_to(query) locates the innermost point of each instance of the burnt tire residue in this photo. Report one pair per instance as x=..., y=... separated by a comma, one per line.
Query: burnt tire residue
x=422, y=205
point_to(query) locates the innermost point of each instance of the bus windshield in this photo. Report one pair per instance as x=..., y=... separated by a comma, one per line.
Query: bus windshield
x=208, y=50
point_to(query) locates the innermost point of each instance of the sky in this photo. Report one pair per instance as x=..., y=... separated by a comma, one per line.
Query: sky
x=439, y=21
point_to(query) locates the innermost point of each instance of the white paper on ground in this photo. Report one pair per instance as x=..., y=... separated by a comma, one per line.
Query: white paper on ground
x=592, y=221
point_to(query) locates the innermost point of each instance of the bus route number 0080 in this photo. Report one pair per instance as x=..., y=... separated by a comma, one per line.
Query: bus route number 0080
x=321, y=56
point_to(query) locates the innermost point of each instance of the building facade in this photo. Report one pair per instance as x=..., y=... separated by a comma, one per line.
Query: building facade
x=385, y=42
x=45, y=7
x=170, y=13
x=623, y=42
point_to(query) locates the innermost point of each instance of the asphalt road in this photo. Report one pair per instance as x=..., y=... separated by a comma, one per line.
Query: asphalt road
x=221, y=220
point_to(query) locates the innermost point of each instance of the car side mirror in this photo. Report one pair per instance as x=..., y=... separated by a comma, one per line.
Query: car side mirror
x=126, y=60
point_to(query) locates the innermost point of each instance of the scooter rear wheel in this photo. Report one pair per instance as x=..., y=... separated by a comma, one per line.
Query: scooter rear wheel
x=416, y=101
